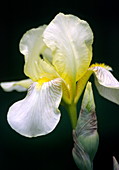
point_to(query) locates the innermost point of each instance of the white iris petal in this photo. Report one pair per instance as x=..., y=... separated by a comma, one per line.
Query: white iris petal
x=106, y=84
x=38, y=113
x=70, y=40
x=19, y=86
x=37, y=56
x=105, y=77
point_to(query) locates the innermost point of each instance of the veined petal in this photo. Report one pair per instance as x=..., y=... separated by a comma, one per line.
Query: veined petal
x=70, y=40
x=19, y=86
x=35, y=50
x=106, y=83
x=38, y=113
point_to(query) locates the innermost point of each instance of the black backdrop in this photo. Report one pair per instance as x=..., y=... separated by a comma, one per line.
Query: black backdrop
x=54, y=150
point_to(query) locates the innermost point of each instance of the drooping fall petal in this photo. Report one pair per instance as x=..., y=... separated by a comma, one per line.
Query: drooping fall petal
x=19, y=86
x=106, y=83
x=37, y=114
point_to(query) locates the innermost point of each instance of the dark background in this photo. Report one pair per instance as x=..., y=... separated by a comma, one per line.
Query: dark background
x=54, y=150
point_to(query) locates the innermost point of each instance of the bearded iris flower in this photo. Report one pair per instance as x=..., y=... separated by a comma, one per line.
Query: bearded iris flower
x=57, y=62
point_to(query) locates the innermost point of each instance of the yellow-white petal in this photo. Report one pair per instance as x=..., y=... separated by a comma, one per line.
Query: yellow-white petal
x=19, y=86
x=70, y=40
x=34, y=49
x=106, y=84
x=37, y=114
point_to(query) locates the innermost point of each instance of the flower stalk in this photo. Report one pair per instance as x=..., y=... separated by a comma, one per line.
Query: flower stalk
x=72, y=111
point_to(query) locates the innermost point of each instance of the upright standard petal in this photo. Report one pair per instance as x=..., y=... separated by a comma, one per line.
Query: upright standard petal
x=38, y=113
x=70, y=40
x=106, y=83
x=35, y=50
x=19, y=86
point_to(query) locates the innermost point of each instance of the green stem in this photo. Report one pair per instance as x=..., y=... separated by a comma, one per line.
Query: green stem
x=72, y=111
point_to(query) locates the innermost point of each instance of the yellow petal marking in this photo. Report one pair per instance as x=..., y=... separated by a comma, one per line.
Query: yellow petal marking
x=42, y=80
x=101, y=65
